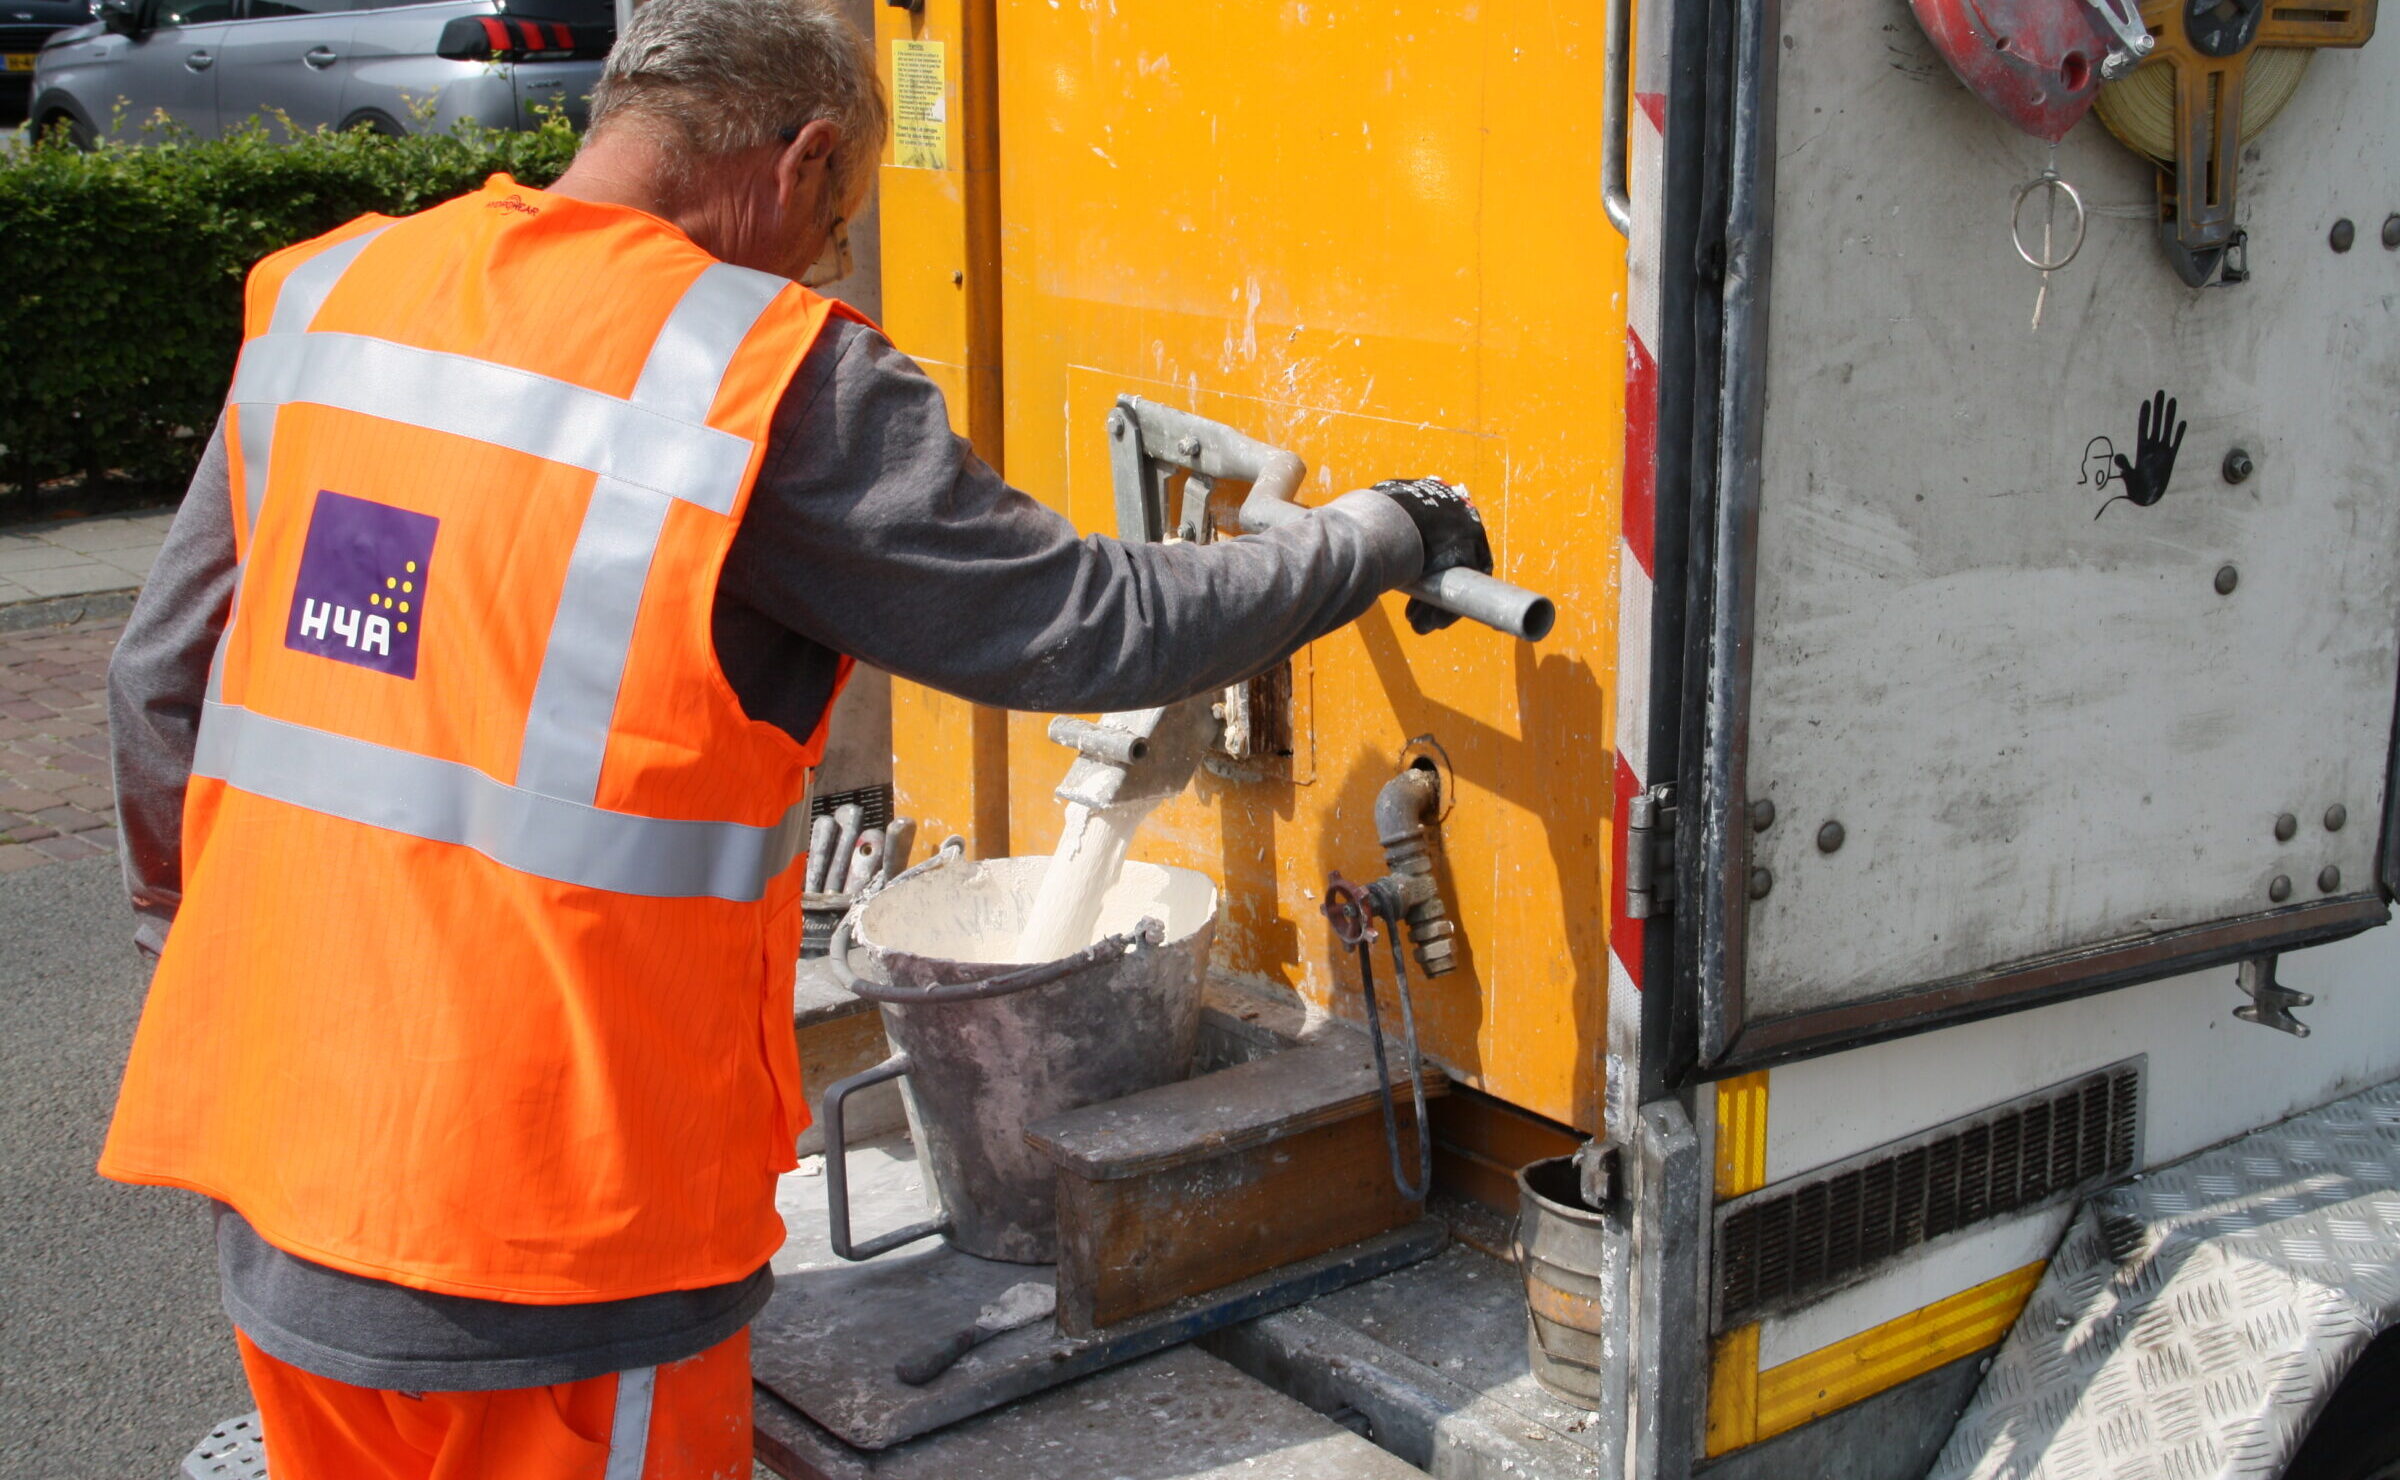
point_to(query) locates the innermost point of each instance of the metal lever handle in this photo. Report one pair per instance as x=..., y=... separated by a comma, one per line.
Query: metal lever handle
x=1616, y=85
x=199, y=61
x=837, y=1172
x=1214, y=450
x=320, y=58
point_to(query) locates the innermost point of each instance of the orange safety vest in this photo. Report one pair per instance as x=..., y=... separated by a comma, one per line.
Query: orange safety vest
x=482, y=979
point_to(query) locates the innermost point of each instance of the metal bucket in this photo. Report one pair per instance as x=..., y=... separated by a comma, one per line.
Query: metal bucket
x=986, y=1053
x=1564, y=1248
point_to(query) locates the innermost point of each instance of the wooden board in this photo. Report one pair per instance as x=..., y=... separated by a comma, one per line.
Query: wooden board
x=1130, y=1245
x=1479, y=1143
x=1232, y=1110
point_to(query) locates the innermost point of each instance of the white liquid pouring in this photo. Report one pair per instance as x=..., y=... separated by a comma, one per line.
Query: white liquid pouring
x=1091, y=851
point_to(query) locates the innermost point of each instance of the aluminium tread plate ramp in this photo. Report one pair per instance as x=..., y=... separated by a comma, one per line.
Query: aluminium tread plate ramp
x=2194, y=1323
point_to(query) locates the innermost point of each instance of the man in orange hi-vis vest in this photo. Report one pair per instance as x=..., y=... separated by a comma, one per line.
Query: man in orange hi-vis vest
x=463, y=741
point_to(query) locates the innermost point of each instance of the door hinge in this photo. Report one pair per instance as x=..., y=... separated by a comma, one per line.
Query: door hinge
x=1650, y=853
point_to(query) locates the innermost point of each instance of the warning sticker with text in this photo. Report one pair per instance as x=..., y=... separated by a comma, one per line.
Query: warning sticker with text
x=920, y=118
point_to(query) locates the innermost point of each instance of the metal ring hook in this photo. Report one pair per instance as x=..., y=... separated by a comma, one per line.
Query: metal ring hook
x=2016, y=221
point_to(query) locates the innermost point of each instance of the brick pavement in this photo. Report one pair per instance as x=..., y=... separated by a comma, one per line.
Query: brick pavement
x=56, y=802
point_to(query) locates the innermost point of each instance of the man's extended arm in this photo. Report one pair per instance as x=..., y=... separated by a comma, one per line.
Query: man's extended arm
x=876, y=531
x=156, y=681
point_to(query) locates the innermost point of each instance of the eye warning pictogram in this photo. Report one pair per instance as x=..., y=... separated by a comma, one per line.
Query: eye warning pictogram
x=361, y=593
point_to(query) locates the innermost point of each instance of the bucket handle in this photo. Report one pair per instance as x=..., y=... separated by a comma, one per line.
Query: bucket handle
x=837, y=1171
x=1149, y=933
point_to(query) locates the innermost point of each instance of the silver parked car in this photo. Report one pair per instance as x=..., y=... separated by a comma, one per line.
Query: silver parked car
x=397, y=68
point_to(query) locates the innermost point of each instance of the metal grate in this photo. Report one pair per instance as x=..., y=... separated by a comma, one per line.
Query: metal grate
x=1786, y=1244
x=874, y=804
x=26, y=38
x=232, y=1451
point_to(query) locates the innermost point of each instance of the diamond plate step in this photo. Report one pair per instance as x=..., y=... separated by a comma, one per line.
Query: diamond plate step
x=2195, y=1321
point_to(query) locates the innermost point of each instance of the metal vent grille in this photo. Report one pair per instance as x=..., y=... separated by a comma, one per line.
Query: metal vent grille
x=874, y=804
x=1785, y=1244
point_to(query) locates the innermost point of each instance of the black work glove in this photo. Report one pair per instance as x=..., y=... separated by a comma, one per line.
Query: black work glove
x=1453, y=534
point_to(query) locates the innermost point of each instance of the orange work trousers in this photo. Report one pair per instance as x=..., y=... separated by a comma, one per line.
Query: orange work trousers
x=687, y=1420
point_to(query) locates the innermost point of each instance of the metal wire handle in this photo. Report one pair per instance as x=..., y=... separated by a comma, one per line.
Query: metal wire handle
x=1150, y=933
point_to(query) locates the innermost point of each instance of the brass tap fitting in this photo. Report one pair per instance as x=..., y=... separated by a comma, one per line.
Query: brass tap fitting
x=1404, y=812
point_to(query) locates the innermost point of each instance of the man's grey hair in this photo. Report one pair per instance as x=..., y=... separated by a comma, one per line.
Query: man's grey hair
x=712, y=77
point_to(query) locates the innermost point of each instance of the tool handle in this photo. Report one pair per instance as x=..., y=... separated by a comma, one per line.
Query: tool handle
x=922, y=1367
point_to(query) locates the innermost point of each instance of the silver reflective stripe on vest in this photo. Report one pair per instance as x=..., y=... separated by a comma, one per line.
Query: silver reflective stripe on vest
x=449, y=802
x=304, y=292
x=258, y=446
x=306, y=287
x=297, y=303
x=629, y=1430
x=566, y=728
x=695, y=348
x=555, y=420
x=256, y=425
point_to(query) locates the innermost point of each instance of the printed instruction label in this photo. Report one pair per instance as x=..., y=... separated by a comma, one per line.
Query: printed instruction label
x=920, y=116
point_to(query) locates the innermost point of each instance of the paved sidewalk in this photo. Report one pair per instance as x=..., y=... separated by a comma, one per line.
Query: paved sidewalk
x=64, y=588
x=78, y=557
x=56, y=802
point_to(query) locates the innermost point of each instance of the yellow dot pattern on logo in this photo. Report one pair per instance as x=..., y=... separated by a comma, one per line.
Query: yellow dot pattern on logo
x=394, y=603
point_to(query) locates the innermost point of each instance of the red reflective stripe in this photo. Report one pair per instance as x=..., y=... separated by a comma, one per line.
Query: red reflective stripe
x=566, y=38
x=533, y=35
x=495, y=33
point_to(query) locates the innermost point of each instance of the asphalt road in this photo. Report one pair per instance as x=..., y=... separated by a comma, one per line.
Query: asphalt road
x=114, y=1358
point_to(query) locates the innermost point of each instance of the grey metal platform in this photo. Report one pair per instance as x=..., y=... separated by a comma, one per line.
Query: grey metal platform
x=1178, y=1415
x=1432, y=1360
x=828, y=1340
x=2195, y=1321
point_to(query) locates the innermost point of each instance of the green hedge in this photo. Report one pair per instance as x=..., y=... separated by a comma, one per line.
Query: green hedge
x=121, y=278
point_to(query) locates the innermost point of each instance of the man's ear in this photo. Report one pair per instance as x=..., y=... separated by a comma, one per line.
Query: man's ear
x=805, y=161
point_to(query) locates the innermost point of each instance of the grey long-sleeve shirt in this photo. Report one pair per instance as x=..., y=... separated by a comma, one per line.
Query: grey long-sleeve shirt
x=873, y=531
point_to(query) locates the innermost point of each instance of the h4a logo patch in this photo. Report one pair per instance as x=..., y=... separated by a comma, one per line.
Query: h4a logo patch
x=360, y=597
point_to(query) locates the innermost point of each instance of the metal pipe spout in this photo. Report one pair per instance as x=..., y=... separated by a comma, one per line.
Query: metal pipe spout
x=1138, y=757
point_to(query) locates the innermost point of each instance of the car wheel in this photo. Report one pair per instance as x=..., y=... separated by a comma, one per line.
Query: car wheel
x=79, y=134
x=382, y=125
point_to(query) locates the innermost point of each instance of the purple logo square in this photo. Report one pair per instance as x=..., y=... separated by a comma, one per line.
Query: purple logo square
x=361, y=593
